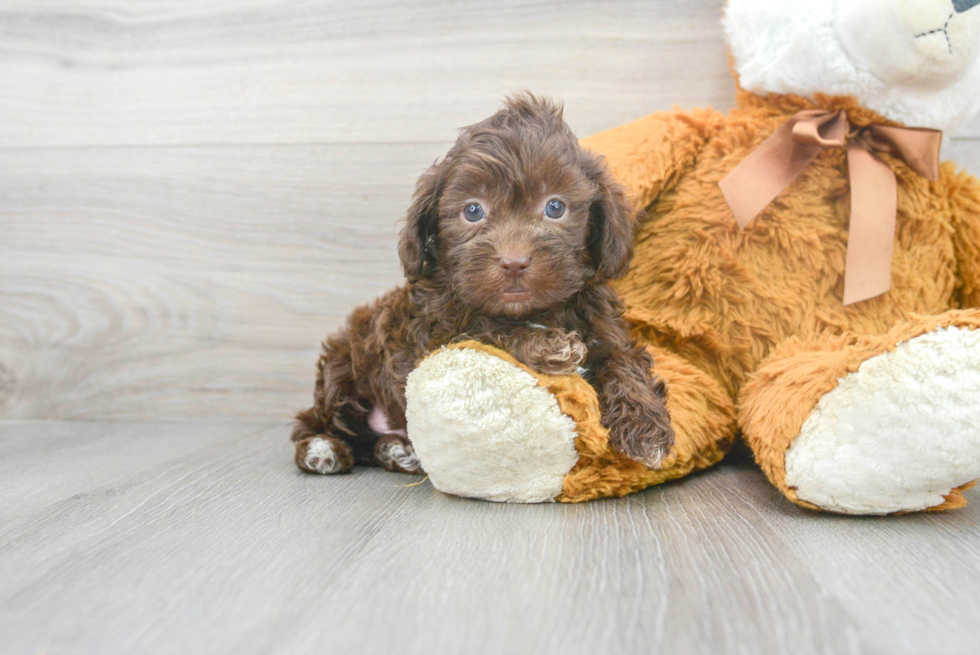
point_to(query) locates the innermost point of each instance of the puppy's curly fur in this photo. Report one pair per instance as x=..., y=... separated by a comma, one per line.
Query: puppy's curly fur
x=510, y=240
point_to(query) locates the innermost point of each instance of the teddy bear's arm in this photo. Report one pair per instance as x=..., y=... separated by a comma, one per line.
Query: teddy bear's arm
x=650, y=154
x=964, y=199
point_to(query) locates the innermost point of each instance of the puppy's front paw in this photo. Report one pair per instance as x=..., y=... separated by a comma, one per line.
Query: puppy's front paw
x=324, y=455
x=555, y=352
x=642, y=433
x=397, y=454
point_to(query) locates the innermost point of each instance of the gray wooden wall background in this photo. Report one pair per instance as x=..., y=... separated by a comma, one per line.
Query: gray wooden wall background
x=193, y=193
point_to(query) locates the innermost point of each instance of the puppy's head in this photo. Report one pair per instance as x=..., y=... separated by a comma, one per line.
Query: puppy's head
x=517, y=217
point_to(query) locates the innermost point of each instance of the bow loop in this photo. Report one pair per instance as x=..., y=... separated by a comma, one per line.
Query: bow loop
x=917, y=147
x=820, y=128
x=773, y=166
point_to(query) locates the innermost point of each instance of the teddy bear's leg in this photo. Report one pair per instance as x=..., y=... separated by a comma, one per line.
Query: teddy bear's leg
x=487, y=426
x=871, y=424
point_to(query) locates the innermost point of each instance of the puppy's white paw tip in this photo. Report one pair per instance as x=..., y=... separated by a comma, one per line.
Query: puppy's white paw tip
x=398, y=456
x=654, y=461
x=321, y=457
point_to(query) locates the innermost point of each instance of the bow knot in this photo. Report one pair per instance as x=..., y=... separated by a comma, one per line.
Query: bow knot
x=773, y=166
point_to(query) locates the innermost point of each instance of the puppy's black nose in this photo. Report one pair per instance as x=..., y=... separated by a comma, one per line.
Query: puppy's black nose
x=515, y=266
x=962, y=5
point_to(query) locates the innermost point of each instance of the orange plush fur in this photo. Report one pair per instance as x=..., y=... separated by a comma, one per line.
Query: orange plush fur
x=754, y=319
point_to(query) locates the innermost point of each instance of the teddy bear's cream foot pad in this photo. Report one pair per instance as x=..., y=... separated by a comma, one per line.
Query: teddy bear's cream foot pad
x=899, y=433
x=485, y=428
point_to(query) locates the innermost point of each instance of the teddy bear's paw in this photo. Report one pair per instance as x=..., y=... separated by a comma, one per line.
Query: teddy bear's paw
x=898, y=434
x=485, y=428
x=324, y=455
x=397, y=454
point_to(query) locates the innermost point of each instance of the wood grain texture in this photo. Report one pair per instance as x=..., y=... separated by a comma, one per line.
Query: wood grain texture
x=204, y=538
x=110, y=72
x=188, y=282
x=169, y=72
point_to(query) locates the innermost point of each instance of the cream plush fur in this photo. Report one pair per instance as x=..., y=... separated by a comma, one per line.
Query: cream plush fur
x=913, y=61
x=899, y=433
x=484, y=428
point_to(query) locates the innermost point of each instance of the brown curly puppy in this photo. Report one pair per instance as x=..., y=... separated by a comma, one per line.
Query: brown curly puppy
x=510, y=240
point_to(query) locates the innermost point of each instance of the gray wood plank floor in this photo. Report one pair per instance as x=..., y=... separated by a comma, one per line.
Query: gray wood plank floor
x=203, y=538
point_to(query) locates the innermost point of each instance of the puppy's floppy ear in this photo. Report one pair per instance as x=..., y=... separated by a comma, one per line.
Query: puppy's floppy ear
x=612, y=224
x=418, y=242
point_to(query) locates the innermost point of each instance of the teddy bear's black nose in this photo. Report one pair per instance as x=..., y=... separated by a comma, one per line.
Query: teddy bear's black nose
x=963, y=5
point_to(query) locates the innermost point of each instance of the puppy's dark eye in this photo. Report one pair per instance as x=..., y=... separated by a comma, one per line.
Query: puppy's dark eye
x=554, y=209
x=473, y=212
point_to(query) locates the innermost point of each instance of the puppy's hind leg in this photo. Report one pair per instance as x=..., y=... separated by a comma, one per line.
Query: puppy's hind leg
x=328, y=436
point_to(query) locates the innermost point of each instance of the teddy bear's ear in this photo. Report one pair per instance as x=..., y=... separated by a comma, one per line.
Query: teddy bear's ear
x=612, y=224
x=418, y=243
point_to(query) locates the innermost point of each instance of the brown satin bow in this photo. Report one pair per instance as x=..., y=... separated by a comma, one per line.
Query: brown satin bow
x=771, y=167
